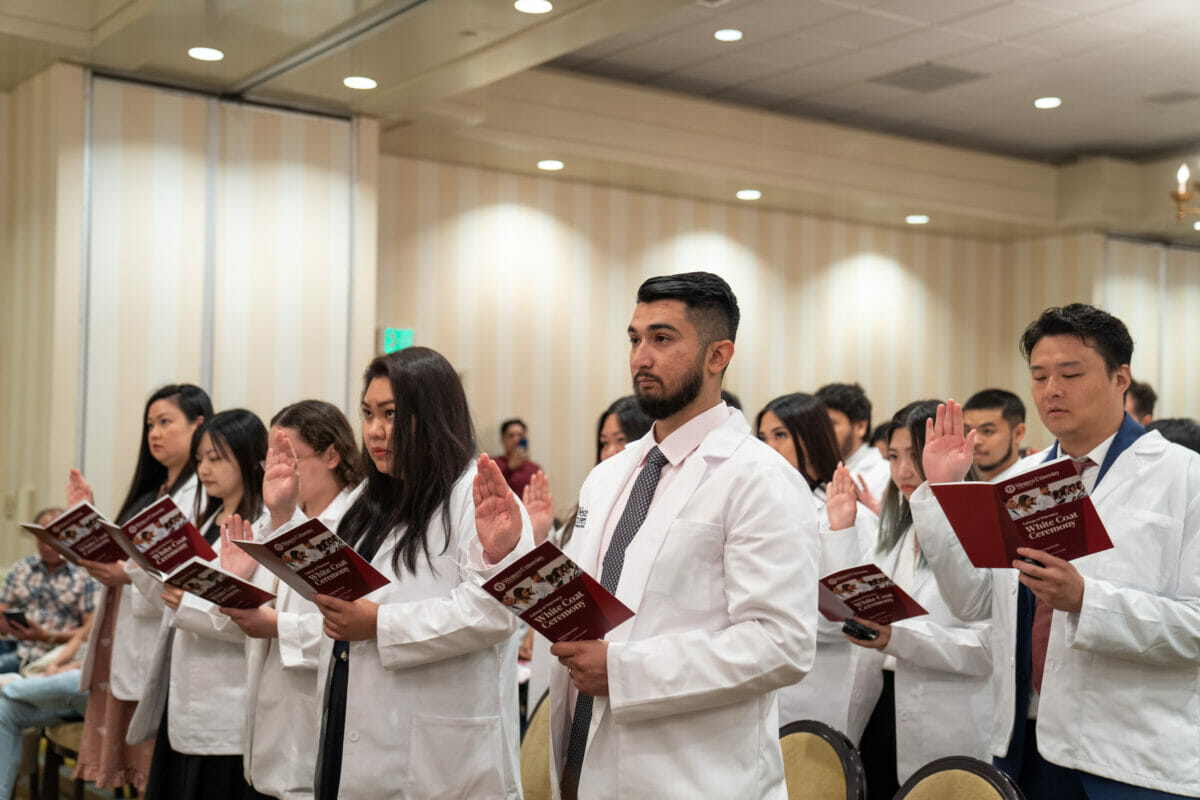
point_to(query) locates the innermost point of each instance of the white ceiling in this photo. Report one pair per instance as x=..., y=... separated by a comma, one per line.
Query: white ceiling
x=817, y=58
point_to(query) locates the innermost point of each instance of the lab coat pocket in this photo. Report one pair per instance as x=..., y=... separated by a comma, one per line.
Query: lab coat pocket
x=455, y=757
x=689, y=566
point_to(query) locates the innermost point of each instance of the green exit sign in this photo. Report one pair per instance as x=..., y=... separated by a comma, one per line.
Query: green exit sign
x=397, y=339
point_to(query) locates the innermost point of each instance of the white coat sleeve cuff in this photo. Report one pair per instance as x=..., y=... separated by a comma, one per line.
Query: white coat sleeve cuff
x=300, y=639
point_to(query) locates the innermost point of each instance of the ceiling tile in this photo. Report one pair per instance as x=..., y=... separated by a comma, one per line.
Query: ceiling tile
x=933, y=11
x=1008, y=21
x=1143, y=16
x=658, y=56
x=997, y=58
x=795, y=50
x=1075, y=37
x=932, y=44
x=732, y=70
x=860, y=29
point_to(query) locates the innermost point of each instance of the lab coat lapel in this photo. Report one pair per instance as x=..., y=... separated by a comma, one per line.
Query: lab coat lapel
x=643, y=550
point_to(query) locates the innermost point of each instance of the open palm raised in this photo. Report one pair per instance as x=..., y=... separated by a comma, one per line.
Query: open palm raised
x=497, y=513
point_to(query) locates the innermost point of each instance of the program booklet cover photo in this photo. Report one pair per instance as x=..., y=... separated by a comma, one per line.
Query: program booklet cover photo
x=865, y=592
x=1046, y=508
x=556, y=597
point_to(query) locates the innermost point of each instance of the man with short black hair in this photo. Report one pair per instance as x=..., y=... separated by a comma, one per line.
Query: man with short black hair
x=712, y=537
x=850, y=413
x=1139, y=401
x=998, y=418
x=1095, y=660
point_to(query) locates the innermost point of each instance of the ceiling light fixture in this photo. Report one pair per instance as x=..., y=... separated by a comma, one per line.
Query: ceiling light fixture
x=205, y=53
x=359, y=82
x=1047, y=103
x=728, y=35
x=917, y=219
x=748, y=194
x=533, y=6
x=1196, y=226
x=550, y=164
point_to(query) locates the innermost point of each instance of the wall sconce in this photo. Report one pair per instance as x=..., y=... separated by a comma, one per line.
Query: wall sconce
x=1182, y=194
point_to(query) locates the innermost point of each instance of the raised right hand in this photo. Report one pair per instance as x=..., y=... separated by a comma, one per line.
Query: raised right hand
x=281, y=482
x=841, y=500
x=948, y=454
x=78, y=489
x=540, y=506
x=233, y=558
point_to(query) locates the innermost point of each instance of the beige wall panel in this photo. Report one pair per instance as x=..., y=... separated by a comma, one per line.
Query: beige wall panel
x=283, y=263
x=146, y=285
x=1131, y=289
x=1179, y=380
x=39, y=294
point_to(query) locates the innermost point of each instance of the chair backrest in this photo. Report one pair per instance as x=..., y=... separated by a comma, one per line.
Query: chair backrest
x=820, y=763
x=535, y=753
x=960, y=778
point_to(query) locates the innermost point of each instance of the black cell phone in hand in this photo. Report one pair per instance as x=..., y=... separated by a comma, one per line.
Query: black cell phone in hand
x=16, y=615
x=859, y=631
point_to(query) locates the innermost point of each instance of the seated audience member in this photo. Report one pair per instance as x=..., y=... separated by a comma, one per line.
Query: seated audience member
x=1095, y=660
x=515, y=465
x=936, y=697
x=55, y=595
x=1139, y=401
x=998, y=418
x=41, y=701
x=850, y=413
x=1184, y=432
x=797, y=426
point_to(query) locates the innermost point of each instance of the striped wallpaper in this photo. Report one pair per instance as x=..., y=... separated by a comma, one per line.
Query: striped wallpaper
x=40, y=252
x=527, y=284
x=221, y=255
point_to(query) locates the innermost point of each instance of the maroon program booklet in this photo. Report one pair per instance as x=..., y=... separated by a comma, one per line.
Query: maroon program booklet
x=160, y=538
x=79, y=533
x=1046, y=508
x=557, y=598
x=217, y=586
x=865, y=592
x=313, y=560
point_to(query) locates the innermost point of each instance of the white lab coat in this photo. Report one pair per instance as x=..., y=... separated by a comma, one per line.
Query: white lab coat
x=283, y=698
x=138, y=618
x=200, y=653
x=431, y=705
x=944, y=703
x=1120, y=692
x=836, y=691
x=722, y=577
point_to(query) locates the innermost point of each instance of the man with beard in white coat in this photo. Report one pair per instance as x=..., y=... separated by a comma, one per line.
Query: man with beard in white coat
x=721, y=567
x=1095, y=660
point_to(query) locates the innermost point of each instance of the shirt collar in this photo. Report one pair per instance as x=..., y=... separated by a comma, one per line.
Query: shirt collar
x=1100, y=451
x=685, y=439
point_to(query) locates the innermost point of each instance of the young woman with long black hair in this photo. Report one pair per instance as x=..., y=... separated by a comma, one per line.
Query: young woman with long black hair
x=199, y=673
x=936, y=698
x=420, y=675
x=797, y=426
x=314, y=469
x=127, y=623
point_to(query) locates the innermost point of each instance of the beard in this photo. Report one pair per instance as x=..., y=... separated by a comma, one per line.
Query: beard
x=1007, y=455
x=671, y=402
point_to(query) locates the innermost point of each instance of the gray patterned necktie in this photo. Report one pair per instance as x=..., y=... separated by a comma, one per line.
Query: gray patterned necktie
x=614, y=560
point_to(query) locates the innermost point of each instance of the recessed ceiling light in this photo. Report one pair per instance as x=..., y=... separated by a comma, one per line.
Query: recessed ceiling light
x=359, y=82
x=1045, y=103
x=533, y=6
x=550, y=164
x=728, y=35
x=205, y=53
x=1196, y=226
x=748, y=194
x=917, y=219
